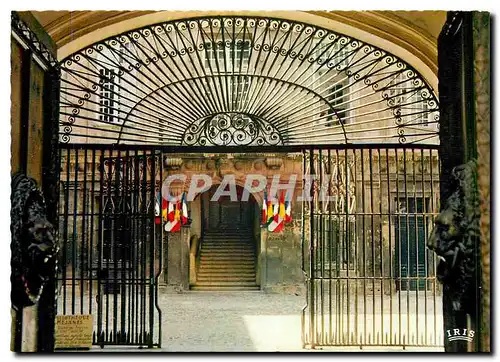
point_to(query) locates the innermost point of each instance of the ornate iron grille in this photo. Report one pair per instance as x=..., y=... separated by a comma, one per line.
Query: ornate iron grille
x=235, y=80
x=370, y=279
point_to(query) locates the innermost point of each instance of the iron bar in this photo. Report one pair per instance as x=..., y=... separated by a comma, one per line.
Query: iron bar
x=170, y=75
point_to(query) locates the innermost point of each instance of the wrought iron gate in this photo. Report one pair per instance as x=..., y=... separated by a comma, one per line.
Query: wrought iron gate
x=258, y=84
x=370, y=279
x=111, y=255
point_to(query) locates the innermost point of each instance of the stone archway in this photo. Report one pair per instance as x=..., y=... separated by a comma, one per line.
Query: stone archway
x=229, y=244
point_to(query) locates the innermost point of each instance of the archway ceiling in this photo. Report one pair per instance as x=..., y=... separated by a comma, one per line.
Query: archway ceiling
x=416, y=31
x=236, y=80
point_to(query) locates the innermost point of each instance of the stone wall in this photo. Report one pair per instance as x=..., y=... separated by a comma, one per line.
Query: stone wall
x=482, y=73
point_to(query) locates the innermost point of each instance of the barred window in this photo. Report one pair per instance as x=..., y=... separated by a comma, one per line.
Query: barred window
x=222, y=60
x=410, y=101
x=108, y=95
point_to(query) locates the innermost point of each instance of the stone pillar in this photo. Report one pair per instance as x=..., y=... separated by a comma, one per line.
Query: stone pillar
x=178, y=259
x=262, y=260
x=481, y=29
x=281, y=261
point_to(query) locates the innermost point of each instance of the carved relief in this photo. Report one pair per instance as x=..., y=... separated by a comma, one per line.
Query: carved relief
x=454, y=237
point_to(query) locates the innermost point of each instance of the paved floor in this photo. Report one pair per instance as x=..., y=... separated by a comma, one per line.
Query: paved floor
x=231, y=321
x=257, y=321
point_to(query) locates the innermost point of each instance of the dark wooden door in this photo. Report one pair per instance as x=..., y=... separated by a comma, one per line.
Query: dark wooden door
x=230, y=215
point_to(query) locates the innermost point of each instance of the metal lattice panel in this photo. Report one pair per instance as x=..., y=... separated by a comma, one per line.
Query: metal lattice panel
x=234, y=80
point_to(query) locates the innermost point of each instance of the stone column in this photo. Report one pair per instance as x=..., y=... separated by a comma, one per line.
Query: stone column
x=481, y=31
x=178, y=259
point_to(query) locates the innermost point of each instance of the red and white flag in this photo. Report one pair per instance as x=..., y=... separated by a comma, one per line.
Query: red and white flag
x=282, y=214
x=177, y=215
x=276, y=224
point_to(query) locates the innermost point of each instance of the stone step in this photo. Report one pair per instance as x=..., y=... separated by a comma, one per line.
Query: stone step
x=232, y=256
x=227, y=254
x=235, y=256
x=212, y=288
x=226, y=267
x=244, y=265
x=228, y=241
x=227, y=251
x=228, y=236
x=217, y=242
x=226, y=248
x=219, y=273
x=228, y=262
x=228, y=231
x=227, y=284
x=233, y=250
x=203, y=279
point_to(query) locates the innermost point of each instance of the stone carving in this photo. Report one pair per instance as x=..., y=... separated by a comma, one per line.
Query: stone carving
x=211, y=165
x=455, y=240
x=238, y=165
x=173, y=163
x=273, y=163
x=32, y=246
x=258, y=165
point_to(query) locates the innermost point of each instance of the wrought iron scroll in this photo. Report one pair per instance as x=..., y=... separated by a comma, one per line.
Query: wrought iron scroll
x=231, y=129
x=309, y=84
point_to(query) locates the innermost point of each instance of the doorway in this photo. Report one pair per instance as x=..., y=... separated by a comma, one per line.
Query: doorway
x=227, y=258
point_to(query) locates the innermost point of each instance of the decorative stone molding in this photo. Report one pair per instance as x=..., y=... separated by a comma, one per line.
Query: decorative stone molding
x=238, y=165
x=224, y=166
x=211, y=165
x=273, y=163
x=173, y=163
x=258, y=165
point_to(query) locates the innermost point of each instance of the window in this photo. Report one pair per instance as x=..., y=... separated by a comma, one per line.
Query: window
x=336, y=56
x=336, y=97
x=412, y=224
x=110, y=102
x=108, y=96
x=411, y=102
x=222, y=60
x=237, y=54
x=423, y=108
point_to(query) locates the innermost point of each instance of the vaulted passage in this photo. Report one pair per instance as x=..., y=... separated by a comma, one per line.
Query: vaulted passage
x=238, y=95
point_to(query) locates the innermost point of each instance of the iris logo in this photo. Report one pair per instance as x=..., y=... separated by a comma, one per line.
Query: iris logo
x=457, y=334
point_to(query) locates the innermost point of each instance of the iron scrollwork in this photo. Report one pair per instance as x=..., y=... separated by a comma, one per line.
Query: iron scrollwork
x=232, y=129
x=290, y=74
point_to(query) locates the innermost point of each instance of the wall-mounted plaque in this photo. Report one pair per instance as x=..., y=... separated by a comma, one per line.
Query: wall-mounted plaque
x=73, y=331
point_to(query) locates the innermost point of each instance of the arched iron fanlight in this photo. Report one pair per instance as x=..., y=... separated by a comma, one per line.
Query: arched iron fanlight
x=236, y=80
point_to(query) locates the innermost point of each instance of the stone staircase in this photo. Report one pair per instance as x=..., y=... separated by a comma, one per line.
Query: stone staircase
x=227, y=262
